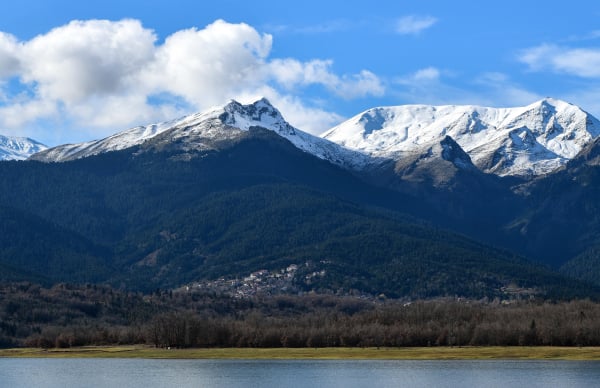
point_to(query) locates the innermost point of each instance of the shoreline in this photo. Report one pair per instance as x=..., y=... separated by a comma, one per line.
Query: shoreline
x=409, y=353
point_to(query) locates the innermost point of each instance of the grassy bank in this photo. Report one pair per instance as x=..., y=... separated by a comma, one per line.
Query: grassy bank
x=429, y=353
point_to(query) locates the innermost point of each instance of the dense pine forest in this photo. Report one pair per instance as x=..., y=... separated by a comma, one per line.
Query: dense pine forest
x=142, y=221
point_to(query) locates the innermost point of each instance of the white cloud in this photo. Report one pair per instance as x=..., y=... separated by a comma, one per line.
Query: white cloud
x=359, y=85
x=20, y=113
x=582, y=62
x=426, y=74
x=87, y=58
x=107, y=114
x=211, y=65
x=311, y=119
x=9, y=61
x=291, y=72
x=414, y=24
x=101, y=75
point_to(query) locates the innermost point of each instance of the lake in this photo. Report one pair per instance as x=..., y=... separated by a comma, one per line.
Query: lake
x=124, y=373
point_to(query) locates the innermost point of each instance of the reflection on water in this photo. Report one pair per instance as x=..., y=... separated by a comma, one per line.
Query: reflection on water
x=123, y=373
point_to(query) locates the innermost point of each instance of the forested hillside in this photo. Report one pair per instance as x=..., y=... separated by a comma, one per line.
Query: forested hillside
x=160, y=218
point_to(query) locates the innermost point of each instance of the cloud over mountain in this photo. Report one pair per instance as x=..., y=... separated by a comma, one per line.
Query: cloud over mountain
x=102, y=74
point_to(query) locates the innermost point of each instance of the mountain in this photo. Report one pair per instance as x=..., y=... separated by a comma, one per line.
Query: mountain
x=585, y=266
x=202, y=131
x=339, y=247
x=236, y=189
x=440, y=176
x=18, y=148
x=430, y=186
x=159, y=215
x=525, y=141
x=437, y=162
x=34, y=249
x=561, y=219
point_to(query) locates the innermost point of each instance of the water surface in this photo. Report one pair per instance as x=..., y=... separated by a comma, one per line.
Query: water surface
x=144, y=373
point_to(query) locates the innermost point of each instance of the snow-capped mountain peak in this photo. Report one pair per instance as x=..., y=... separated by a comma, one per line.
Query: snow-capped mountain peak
x=18, y=148
x=208, y=124
x=199, y=131
x=523, y=141
x=260, y=113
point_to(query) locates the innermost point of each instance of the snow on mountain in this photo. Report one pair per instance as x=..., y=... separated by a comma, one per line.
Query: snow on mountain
x=196, y=131
x=18, y=148
x=522, y=141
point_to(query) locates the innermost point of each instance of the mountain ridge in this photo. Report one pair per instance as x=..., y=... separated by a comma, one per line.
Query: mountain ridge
x=154, y=220
x=198, y=131
x=437, y=180
x=18, y=148
x=524, y=141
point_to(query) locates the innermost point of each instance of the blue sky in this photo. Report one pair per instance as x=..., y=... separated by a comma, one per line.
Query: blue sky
x=78, y=70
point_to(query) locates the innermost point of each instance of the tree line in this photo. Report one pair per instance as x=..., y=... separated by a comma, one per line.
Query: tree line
x=67, y=315
x=423, y=323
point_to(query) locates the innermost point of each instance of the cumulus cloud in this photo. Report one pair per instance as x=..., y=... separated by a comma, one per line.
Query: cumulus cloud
x=9, y=61
x=291, y=72
x=110, y=74
x=20, y=113
x=414, y=24
x=88, y=58
x=582, y=62
x=211, y=65
x=85, y=73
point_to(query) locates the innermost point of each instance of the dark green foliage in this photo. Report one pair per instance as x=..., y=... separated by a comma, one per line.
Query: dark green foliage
x=585, y=266
x=142, y=219
x=562, y=219
x=235, y=233
x=37, y=250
